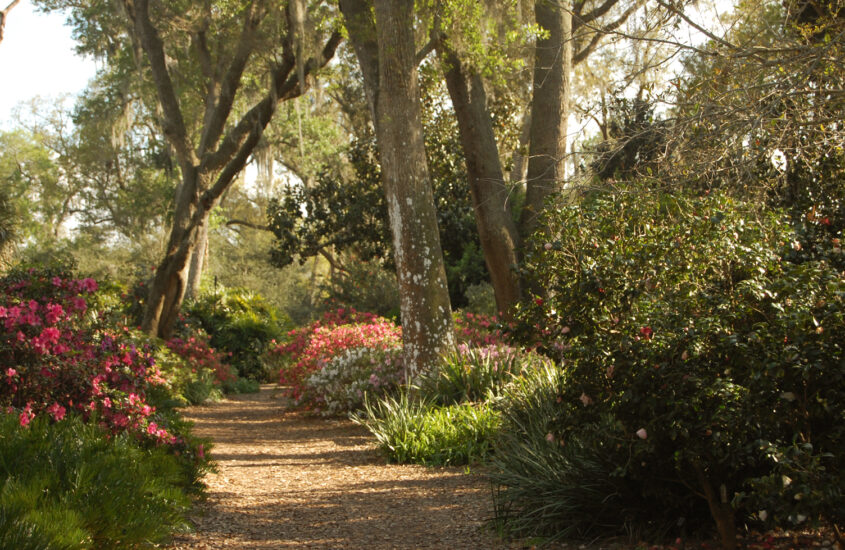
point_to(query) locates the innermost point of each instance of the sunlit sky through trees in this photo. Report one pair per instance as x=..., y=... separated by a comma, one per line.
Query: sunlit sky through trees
x=37, y=59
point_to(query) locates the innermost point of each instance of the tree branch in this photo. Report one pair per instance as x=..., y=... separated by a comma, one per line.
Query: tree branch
x=246, y=134
x=251, y=225
x=3, y=15
x=601, y=32
x=216, y=119
x=173, y=124
x=696, y=26
x=592, y=15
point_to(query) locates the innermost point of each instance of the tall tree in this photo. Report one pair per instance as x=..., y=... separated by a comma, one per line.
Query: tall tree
x=387, y=54
x=196, y=58
x=569, y=33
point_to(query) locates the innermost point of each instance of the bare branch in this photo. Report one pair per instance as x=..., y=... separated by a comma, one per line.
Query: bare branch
x=601, y=32
x=3, y=15
x=592, y=15
x=251, y=225
x=173, y=125
x=216, y=119
x=249, y=130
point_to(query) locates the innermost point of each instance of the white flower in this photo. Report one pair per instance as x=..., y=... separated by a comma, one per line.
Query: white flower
x=762, y=514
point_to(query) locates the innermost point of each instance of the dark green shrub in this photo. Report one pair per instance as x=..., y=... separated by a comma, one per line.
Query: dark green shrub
x=683, y=326
x=550, y=488
x=415, y=431
x=69, y=485
x=241, y=323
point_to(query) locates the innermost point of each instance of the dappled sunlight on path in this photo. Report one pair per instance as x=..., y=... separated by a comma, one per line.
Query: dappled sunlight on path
x=286, y=480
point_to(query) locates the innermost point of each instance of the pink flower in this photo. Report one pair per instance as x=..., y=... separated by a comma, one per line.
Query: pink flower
x=10, y=372
x=152, y=428
x=585, y=399
x=550, y=437
x=78, y=303
x=642, y=434
x=26, y=415
x=57, y=282
x=89, y=284
x=56, y=411
x=201, y=451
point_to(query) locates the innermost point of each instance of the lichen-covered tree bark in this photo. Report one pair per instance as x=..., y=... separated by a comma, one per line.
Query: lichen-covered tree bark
x=386, y=52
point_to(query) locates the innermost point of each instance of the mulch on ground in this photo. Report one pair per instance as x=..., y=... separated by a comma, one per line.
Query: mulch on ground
x=289, y=480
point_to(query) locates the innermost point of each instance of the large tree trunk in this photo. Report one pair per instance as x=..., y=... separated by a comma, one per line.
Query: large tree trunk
x=386, y=51
x=496, y=228
x=549, y=110
x=171, y=279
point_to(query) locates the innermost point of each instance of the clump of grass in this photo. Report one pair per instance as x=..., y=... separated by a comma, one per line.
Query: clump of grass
x=415, y=431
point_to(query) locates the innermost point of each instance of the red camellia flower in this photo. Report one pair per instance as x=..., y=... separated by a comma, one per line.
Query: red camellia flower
x=646, y=332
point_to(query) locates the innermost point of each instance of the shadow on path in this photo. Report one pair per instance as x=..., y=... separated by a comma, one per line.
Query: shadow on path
x=286, y=480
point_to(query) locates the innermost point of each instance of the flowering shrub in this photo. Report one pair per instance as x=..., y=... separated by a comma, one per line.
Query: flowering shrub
x=478, y=330
x=340, y=385
x=696, y=357
x=59, y=359
x=327, y=342
x=283, y=356
x=198, y=372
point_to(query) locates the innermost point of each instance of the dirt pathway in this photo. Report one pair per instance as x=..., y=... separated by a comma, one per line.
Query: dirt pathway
x=289, y=481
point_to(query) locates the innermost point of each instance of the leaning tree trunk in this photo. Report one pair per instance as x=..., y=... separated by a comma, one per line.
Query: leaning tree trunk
x=496, y=228
x=170, y=283
x=386, y=53
x=549, y=110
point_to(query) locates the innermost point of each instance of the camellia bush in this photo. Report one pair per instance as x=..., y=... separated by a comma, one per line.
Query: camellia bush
x=701, y=367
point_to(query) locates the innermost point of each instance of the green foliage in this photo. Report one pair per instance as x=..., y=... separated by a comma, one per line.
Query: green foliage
x=241, y=385
x=414, y=431
x=475, y=373
x=713, y=361
x=343, y=212
x=553, y=488
x=67, y=486
x=364, y=286
x=241, y=323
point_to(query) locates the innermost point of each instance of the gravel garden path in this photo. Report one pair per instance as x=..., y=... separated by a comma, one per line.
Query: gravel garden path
x=287, y=480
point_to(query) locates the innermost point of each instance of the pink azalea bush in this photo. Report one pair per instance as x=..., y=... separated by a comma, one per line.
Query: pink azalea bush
x=478, y=330
x=58, y=357
x=198, y=360
x=311, y=348
x=341, y=384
